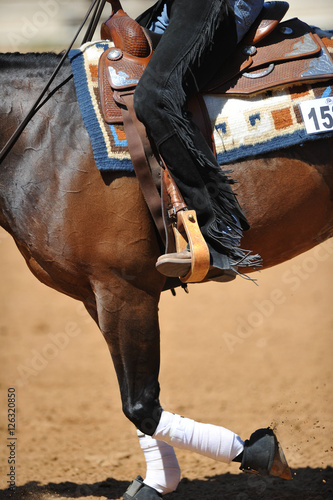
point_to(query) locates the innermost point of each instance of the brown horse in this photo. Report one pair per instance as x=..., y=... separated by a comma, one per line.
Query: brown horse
x=89, y=235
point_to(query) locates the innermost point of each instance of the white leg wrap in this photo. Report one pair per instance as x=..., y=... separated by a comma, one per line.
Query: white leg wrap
x=209, y=440
x=163, y=472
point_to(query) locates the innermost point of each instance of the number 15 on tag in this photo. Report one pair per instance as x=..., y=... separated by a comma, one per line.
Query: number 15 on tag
x=318, y=115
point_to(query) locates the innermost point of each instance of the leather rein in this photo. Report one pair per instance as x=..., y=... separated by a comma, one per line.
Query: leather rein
x=98, y=6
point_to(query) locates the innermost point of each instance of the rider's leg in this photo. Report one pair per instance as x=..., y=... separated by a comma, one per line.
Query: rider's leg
x=198, y=33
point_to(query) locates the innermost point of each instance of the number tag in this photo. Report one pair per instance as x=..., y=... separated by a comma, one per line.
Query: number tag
x=318, y=115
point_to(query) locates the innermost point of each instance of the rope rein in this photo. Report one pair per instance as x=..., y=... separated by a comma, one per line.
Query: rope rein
x=98, y=6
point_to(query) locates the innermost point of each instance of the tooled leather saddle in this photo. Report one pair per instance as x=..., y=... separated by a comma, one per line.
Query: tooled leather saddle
x=273, y=54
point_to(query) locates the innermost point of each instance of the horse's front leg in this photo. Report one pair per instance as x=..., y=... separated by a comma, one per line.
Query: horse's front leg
x=128, y=319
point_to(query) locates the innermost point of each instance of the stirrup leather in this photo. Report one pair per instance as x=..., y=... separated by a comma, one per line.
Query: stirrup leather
x=186, y=231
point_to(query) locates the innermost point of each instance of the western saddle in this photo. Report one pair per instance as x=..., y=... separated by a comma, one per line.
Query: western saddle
x=272, y=55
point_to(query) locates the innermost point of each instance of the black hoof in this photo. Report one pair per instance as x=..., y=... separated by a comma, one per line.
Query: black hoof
x=263, y=455
x=137, y=490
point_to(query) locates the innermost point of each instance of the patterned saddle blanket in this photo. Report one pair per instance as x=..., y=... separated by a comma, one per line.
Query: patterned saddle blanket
x=243, y=126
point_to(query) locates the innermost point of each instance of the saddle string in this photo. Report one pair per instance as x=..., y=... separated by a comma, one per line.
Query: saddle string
x=99, y=6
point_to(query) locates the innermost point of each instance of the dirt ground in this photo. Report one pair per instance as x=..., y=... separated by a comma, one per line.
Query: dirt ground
x=238, y=355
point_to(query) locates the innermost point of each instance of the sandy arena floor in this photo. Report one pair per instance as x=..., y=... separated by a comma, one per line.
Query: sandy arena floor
x=231, y=356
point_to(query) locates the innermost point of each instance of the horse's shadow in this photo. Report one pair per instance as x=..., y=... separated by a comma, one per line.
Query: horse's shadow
x=307, y=484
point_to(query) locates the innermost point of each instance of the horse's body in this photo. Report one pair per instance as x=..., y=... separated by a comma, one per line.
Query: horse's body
x=90, y=235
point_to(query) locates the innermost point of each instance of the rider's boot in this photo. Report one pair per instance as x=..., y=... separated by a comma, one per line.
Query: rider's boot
x=178, y=264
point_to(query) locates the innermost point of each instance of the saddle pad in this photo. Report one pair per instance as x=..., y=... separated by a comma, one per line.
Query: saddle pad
x=243, y=127
x=247, y=126
x=108, y=141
